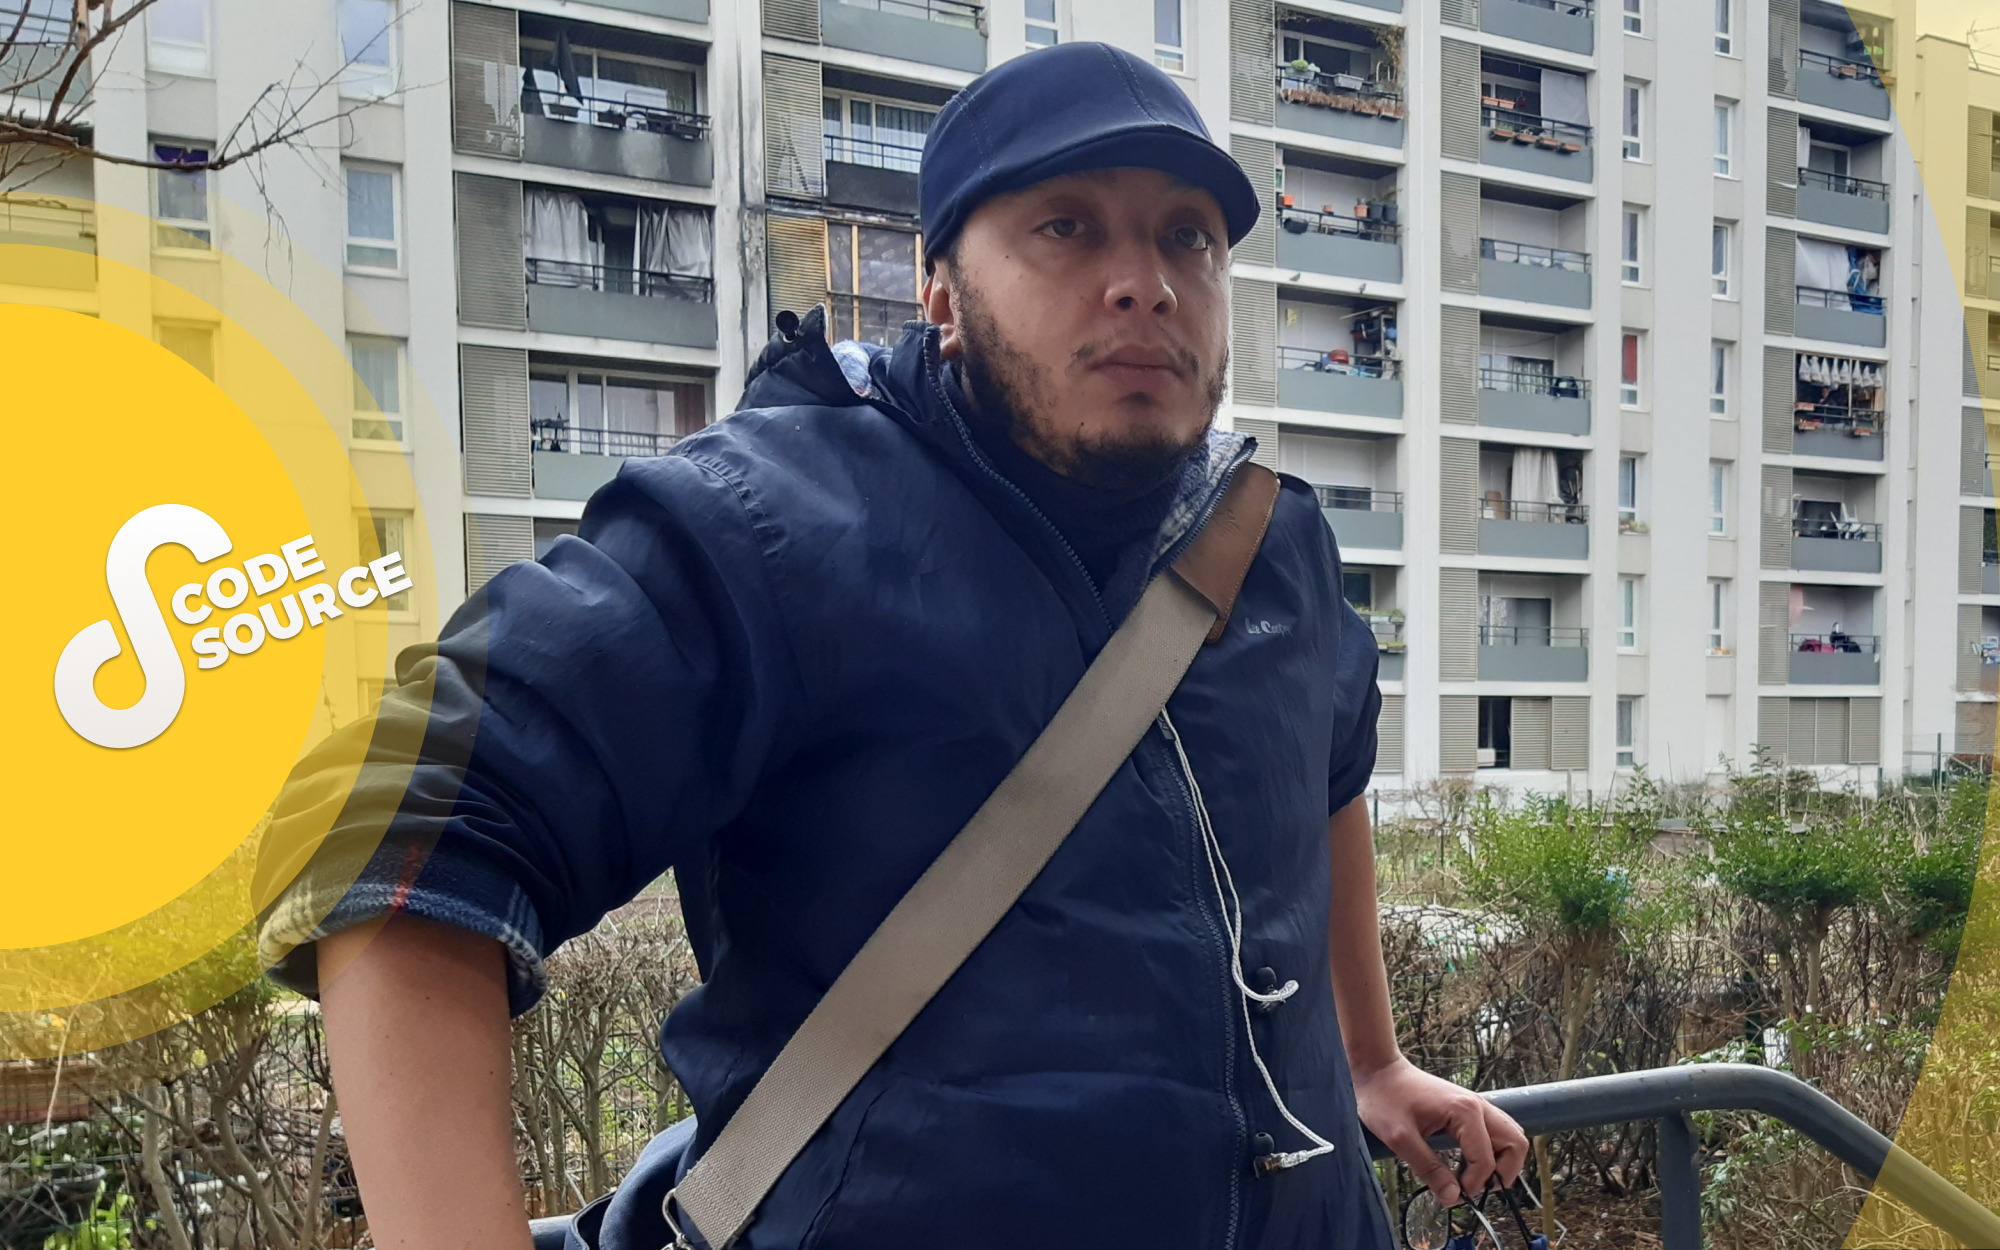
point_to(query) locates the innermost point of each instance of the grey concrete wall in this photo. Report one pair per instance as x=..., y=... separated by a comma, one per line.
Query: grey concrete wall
x=1832, y=442
x=1523, y=410
x=1354, y=528
x=1340, y=392
x=1835, y=668
x=1852, y=95
x=1833, y=208
x=611, y=315
x=905, y=38
x=1518, y=19
x=870, y=187
x=1841, y=325
x=1534, y=159
x=1989, y=579
x=1836, y=555
x=1533, y=662
x=684, y=10
x=1344, y=255
x=629, y=153
x=63, y=262
x=1389, y=666
x=564, y=475
x=1537, y=539
x=1339, y=124
x=1538, y=284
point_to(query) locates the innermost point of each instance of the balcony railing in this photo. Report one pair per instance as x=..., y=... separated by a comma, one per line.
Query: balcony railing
x=1568, y=8
x=1339, y=362
x=1359, y=498
x=1528, y=510
x=1371, y=229
x=1531, y=382
x=1827, y=527
x=1387, y=628
x=27, y=214
x=1531, y=129
x=1349, y=93
x=1839, y=66
x=1535, y=254
x=1853, y=644
x=1841, y=184
x=619, y=280
x=1839, y=301
x=1834, y=415
x=555, y=434
x=1533, y=636
x=948, y=12
x=614, y=114
x=874, y=153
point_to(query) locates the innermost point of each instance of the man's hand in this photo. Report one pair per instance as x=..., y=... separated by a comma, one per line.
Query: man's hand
x=1404, y=1106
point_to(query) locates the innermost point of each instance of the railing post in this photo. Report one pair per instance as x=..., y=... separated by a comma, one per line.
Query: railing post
x=1680, y=1185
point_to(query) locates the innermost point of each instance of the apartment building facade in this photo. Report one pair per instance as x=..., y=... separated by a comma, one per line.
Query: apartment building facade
x=1609, y=332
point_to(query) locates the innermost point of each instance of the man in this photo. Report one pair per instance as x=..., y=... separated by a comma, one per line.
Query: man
x=790, y=659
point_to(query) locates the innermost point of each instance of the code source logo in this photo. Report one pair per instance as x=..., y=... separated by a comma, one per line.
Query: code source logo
x=309, y=605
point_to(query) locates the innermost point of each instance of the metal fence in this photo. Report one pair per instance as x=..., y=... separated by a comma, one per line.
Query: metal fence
x=949, y=12
x=1533, y=636
x=555, y=434
x=1339, y=362
x=1842, y=184
x=1535, y=254
x=1359, y=498
x=1839, y=66
x=619, y=280
x=1827, y=527
x=597, y=110
x=1533, y=382
x=1533, y=128
x=874, y=153
x=1531, y=510
x=1371, y=229
x=1858, y=644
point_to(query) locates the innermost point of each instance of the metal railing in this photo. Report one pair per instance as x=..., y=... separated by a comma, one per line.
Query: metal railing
x=1830, y=414
x=1359, y=498
x=948, y=12
x=1840, y=66
x=1839, y=301
x=1371, y=229
x=1670, y=1095
x=1533, y=636
x=1855, y=644
x=1507, y=123
x=1339, y=362
x=597, y=110
x=1842, y=184
x=1528, y=510
x=1531, y=382
x=618, y=280
x=1349, y=92
x=872, y=152
x=1568, y=8
x=28, y=214
x=555, y=434
x=1826, y=527
x=1534, y=254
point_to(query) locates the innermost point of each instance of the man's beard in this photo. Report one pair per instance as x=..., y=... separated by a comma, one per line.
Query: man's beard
x=1015, y=395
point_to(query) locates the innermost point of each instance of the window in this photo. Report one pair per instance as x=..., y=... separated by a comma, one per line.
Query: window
x=1628, y=614
x=868, y=130
x=1719, y=254
x=180, y=198
x=192, y=343
x=1632, y=238
x=1357, y=586
x=177, y=36
x=368, y=51
x=594, y=413
x=1629, y=392
x=1628, y=490
x=1718, y=378
x=547, y=530
x=1635, y=17
x=1725, y=138
x=1725, y=27
x=381, y=534
x=374, y=218
x=1169, y=40
x=872, y=279
x=1628, y=729
x=1718, y=616
x=378, y=388
x=1718, y=497
x=1042, y=30
x=1496, y=732
x=1635, y=120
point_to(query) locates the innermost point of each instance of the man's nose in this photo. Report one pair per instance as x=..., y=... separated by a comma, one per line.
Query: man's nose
x=1138, y=280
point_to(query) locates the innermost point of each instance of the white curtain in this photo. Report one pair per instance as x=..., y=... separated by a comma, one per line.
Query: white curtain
x=1564, y=98
x=676, y=240
x=1824, y=265
x=1534, y=475
x=555, y=228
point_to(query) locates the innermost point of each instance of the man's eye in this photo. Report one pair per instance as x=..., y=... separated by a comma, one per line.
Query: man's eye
x=1193, y=238
x=1064, y=227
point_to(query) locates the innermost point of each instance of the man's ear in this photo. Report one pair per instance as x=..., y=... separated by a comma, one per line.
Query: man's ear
x=935, y=297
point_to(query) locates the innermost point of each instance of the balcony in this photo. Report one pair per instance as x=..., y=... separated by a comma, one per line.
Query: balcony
x=1521, y=399
x=1390, y=648
x=1338, y=381
x=1836, y=82
x=873, y=175
x=946, y=33
x=1831, y=546
x=601, y=301
x=1840, y=317
x=612, y=136
x=1540, y=531
x=1362, y=516
x=1538, y=275
x=1567, y=24
x=1340, y=106
x=1534, y=144
x=1837, y=200
x=573, y=463
x=58, y=244
x=1368, y=247
x=1534, y=653
x=1835, y=659
x=1828, y=428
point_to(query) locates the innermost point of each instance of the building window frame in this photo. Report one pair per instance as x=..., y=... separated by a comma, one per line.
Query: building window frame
x=572, y=437
x=1170, y=41
x=175, y=231
x=388, y=533
x=380, y=413
x=1725, y=28
x=371, y=63
x=1628, y=491
x=1632, y=120
x=1633, y=17
x=368, y=247
x=1725, y=138
x=844, y=128
x=1628, y=614
x=1044, y=28
x=1632, y=369
x=189, y=58
x=1718, y=498
x=1626, y=731
x=1632, y=246
x=199, y=334
x=1718, y=378
x=1718, y=616
x=1722, y=260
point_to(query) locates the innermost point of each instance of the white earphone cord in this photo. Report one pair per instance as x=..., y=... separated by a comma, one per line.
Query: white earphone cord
x=1219, y=876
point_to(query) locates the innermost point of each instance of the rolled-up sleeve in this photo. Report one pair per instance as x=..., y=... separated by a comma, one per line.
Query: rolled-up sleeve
x=583, y=722
x=1357, y=704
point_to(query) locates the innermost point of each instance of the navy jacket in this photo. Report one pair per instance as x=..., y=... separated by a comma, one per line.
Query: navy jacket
x=789, y=659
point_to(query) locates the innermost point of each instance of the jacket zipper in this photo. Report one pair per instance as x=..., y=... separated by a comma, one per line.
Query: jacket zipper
x=1187, y=793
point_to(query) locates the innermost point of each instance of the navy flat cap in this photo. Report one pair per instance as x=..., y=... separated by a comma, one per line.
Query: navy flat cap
x=1063, y=110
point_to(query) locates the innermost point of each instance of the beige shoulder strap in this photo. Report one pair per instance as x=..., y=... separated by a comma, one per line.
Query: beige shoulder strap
x=982, y=871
